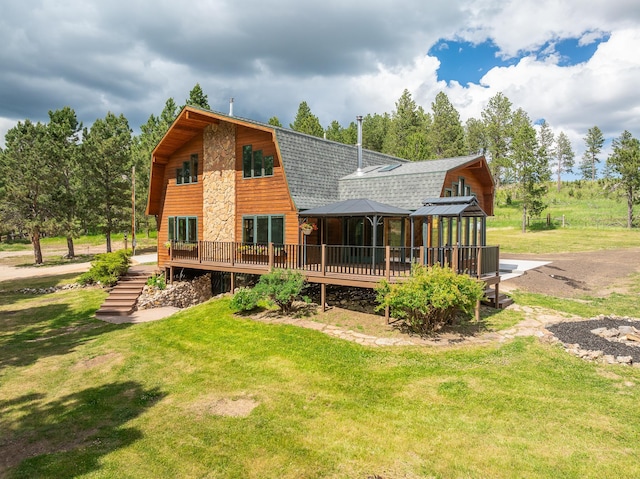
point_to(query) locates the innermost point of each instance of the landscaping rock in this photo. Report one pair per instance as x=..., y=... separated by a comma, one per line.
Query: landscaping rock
x=181, y=294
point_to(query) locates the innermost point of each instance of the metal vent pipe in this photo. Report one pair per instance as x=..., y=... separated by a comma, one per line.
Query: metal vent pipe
x=359, y=145
x=231, y=106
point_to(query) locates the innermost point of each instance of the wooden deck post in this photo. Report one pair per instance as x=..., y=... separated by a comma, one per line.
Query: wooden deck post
x=421, y=257
x=387, y=264
x=323, y=260
x=323, y=296
x=478, y=311
x=387, y=314
x=270, y=256
x=454, y=259
x=233, y=282
x=480, y=261
x=199, y=251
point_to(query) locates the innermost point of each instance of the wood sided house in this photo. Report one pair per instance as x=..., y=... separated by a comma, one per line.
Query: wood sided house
x=235, y=196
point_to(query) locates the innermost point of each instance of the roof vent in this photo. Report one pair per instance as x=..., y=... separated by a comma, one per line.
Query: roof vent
x=231, y=106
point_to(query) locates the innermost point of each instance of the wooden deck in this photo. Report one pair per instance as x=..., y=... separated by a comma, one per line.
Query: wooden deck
x=359, y=266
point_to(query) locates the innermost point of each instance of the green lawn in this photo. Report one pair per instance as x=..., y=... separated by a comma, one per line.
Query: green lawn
x=208, y=394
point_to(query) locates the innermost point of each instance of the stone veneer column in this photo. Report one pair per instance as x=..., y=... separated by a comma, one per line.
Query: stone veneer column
x=218, y=182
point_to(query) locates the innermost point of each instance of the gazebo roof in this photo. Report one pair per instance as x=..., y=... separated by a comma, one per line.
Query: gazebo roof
x=450, y=206
x=356, y=207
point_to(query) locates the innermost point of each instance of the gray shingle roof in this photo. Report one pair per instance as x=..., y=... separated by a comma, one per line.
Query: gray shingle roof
x=314, y=165
x=357, y=207
x=405, y=186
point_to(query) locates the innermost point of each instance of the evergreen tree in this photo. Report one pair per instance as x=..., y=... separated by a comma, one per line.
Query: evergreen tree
x=197, y=98
x=624, y=165
x=141, y=148
x=475, y=137
x=374, y=131
x=407, y=134
x=107, y=160
x=274, y=121
x=531, y=170
x=594, y=141
x=334, y=131
x=546, y=145
x=307, y=122
x=63, y=133
x=28, y=203
x=497, y=122
x=446, y=135
x=563, y=156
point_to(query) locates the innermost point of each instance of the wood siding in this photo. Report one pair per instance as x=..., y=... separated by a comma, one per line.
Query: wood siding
x=266, y=195
x=180, y=200
x=475, y=178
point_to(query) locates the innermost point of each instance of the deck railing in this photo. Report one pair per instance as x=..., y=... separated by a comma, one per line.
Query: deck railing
x=378, y=261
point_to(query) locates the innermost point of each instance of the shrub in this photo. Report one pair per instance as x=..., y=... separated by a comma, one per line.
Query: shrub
x=281, y=286
x=245, y=299
x=431, y=297
x=107, y=268
x=157, y=281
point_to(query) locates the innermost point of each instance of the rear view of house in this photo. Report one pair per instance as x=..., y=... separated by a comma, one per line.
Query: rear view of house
x=237, y=196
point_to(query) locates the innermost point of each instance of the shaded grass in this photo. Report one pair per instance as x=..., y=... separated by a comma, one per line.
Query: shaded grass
x=133, y=397
x=36, y=282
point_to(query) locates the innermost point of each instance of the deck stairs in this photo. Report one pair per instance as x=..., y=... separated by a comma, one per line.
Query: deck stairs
x=124, y=295
x=490, y=299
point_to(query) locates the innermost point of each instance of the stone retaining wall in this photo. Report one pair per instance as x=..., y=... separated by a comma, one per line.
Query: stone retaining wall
x=180, y=294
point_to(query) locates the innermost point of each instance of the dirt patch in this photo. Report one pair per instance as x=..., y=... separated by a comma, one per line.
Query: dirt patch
x=572, y=275
x=228, y=407
x=109, y=358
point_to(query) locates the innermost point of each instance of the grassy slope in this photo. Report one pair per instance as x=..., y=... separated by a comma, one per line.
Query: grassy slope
x=97, y=400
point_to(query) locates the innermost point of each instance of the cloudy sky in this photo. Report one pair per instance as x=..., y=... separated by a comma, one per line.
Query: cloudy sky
x=575, y=63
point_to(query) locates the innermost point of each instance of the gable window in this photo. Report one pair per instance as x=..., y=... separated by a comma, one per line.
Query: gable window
x=255, y=164
x=183, y=229
x=263, y=229
x=189, y=171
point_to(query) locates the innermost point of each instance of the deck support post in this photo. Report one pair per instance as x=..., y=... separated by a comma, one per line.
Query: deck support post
x=233, y=282
x=387, y=314
x=454, y=259
x=387, y=264
x=323, y=259
x=323, y=296
x=496, y=300
x=270, y=256
x=477, y=311
x=480, y=261
x=170, y=274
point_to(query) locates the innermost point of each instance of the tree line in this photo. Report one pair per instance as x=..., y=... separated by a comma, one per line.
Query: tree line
x=517, y=153
x=64, y=179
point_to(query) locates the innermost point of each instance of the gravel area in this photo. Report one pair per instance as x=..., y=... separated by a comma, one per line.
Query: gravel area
x=579, y=332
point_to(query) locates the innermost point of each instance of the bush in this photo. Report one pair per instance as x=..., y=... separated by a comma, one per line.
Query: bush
x=280, y=286
x=107, y=268
x=157, y=281
x=431, y=297
x=245, y=299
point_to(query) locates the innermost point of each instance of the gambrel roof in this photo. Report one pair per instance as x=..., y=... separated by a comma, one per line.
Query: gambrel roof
x=319, y=171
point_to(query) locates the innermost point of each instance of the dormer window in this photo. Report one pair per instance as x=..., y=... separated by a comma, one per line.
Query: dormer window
x=255, y=164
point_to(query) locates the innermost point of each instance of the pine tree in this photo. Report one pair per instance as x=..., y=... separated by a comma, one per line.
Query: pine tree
x=307, y=122
x=624, y=165
x=594, y=141
x=446, y=135
x=274, y=121
x=546, y=144
x=475, y=137
x=531, y=170
x=107, y=159
x=563, y=156
x=408, y=129
x=63, y=132
x=374, y=131
x=28, y=202
x=497, y=122
x=197, y=98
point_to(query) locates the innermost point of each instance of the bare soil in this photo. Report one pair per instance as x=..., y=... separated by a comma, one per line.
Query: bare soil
x=573, y=275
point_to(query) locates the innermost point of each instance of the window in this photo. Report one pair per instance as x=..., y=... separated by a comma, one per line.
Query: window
x=183, y=228
x=255, y=164
x=189, y=171
x=263, y=229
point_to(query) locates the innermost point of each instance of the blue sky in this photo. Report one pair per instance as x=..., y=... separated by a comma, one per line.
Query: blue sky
x=467, y=62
